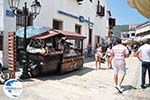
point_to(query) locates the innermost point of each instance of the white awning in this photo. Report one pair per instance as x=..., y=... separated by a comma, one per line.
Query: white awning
x=143, y=6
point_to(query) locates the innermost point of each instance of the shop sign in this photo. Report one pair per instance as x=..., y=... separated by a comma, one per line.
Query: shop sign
x=9, y=13
x=80, y=18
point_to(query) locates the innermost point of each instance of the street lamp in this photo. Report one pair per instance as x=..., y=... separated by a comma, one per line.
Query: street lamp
x=35, y=10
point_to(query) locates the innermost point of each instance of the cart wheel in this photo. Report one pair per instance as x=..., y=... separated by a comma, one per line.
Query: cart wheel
x=35, y=72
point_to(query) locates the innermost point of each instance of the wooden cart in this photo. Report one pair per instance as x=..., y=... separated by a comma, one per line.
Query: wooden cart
x=65, y=48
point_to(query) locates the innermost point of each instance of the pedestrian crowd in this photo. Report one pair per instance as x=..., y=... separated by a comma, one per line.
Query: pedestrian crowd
x=115, y=56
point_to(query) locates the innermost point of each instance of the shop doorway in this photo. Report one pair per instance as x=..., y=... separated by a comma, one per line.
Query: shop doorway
x=90, y=36
x=77, y=30
x=89, y=46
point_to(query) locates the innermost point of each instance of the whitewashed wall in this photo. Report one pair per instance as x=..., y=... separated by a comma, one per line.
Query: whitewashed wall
x=9, y=26
x=1, y=15
x=49, y=11
x=87, y=10
x=143, y=29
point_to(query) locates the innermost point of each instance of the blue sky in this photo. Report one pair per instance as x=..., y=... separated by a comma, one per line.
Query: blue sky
x=123, y=13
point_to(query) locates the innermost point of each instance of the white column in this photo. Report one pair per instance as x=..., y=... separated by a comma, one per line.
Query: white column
x=9, y=26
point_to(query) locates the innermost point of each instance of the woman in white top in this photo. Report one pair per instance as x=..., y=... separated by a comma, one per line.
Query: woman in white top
x=98, y=56
x=108, y=55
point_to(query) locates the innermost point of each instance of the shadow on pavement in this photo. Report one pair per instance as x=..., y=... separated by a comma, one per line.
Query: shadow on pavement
x=26, y=80
x=56, y=76
x=79, y=72
x=46, y=77
x=89, y=59
x=104, y=69
x=148, y=85
x=128, y=87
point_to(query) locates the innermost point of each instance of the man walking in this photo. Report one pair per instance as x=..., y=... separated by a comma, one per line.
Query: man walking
x=119, y=53
x=143, y=55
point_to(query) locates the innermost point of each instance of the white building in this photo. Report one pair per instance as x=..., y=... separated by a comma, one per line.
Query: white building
x=143, y=31
x=124, y=36
x=70, y=15
x=111, y=23
x=137, y=33
x=129, y=35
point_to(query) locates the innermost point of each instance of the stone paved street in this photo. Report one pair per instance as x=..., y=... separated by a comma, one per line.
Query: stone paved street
x=85, y=84
x=50, y=38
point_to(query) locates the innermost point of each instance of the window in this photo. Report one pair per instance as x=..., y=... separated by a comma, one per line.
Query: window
x=79, y=0
x=91, y=1
x=124, y=35
x=100, y=9
x=78, y=29
x=128, y=35
x=57, y=24
x=20, y=20
x=112, y=22
x=132, y=34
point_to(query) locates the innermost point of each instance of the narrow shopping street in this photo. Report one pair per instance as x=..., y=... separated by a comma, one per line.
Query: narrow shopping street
x=85, y=84
x=49, y=49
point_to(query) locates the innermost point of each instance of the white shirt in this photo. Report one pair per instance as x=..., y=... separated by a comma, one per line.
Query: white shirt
x=99, y=52
x=108, y=52
x=144, y=51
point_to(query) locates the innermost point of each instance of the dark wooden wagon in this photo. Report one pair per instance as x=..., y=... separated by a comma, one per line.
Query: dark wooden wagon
x=55, y=50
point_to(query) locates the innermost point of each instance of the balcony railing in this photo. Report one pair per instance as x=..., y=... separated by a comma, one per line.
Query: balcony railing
x=100, y=10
